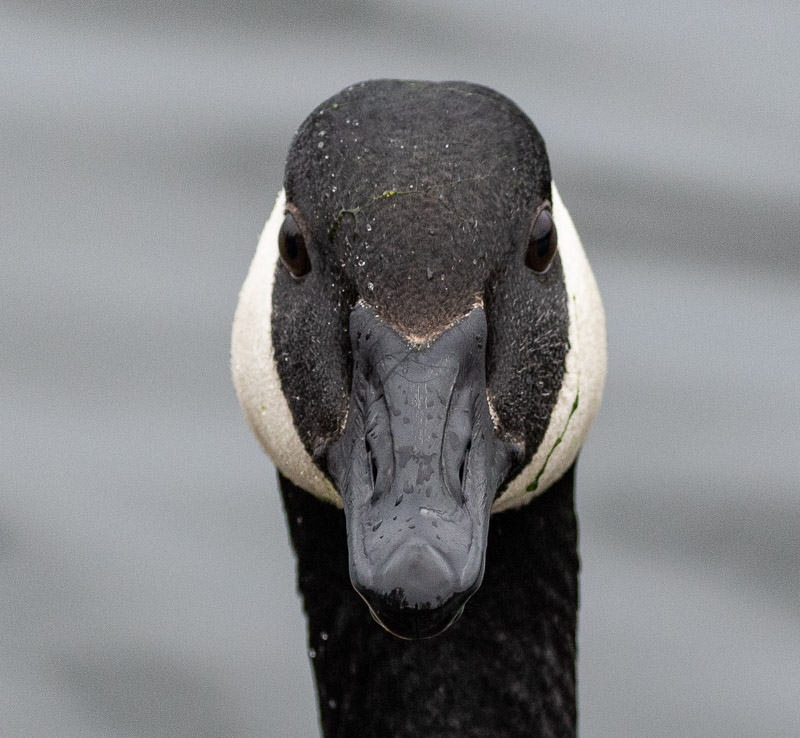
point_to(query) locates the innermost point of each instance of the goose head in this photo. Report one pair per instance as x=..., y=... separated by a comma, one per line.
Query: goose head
x=420, y=339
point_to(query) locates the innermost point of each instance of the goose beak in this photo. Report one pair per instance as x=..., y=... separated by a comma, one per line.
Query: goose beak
x=418, y=467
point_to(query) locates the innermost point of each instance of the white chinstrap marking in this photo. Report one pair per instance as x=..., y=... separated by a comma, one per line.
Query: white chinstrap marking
x=585, y=371
x=255, y=375
x=259, y=391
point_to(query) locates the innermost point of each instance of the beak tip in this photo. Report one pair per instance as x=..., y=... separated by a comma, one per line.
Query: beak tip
x=414, y=623
x=417, y=592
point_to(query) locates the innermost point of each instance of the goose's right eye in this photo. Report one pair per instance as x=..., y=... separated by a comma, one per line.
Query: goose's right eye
x=292, y=246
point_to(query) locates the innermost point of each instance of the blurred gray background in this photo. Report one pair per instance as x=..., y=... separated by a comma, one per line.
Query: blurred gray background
x=146, y=580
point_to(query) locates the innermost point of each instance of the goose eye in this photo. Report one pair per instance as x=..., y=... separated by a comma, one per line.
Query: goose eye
x=292, y=246
x=542, y=242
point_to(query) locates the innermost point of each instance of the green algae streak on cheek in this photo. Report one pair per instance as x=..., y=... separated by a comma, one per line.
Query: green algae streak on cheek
x=535, y=483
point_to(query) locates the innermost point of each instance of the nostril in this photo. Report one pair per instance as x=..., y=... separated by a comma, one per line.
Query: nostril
x=462, y=470
x=374, y=471
x=372, y=462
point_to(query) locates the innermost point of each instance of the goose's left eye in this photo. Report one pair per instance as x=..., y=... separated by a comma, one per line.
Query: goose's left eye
x=292, y=246
x=542, y=242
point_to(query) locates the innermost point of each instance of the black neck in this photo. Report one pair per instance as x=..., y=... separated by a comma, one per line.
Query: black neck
x=506, y=668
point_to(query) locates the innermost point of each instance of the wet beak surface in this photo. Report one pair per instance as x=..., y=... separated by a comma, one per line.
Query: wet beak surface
x=418, y=466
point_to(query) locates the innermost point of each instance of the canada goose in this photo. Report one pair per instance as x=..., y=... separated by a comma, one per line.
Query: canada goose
x=420, y=341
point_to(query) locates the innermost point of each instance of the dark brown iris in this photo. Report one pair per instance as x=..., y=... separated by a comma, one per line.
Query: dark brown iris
x=292, y=245
x=542, y=242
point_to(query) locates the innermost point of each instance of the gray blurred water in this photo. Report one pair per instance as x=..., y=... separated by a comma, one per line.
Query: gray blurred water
x=146, y=580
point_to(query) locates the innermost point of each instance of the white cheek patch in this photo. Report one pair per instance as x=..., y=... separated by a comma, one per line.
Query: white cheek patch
x=255, y=375
x=582, y=388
